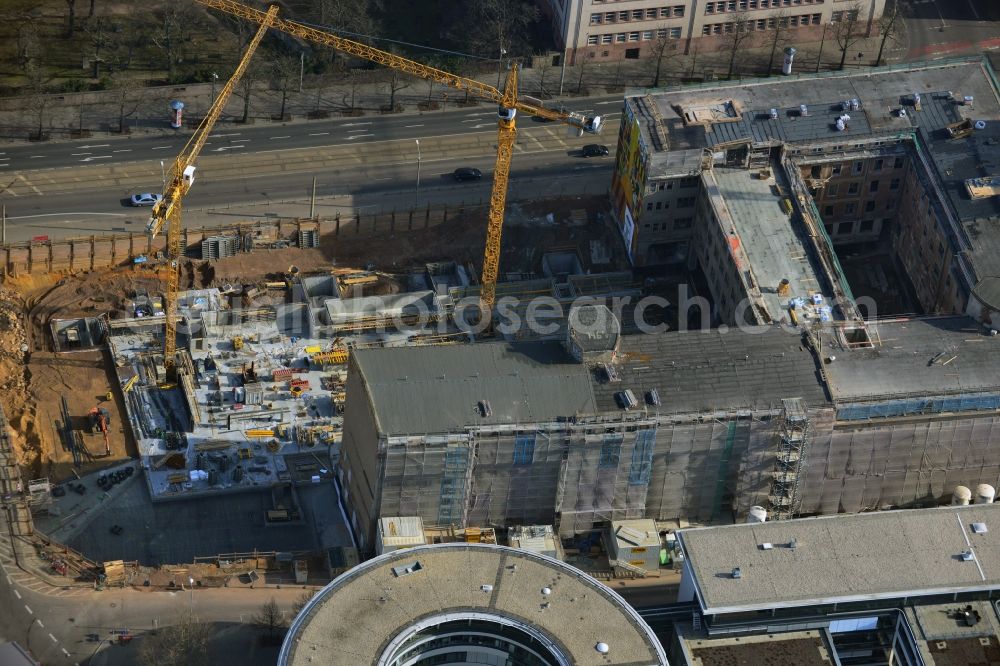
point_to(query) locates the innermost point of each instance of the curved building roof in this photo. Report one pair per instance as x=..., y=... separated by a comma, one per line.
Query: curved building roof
x=365, y=615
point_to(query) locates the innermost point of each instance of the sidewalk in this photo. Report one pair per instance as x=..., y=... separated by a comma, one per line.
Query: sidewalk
x=96, y=113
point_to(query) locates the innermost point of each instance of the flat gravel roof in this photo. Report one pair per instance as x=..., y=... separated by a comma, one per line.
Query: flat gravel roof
x=354, y=619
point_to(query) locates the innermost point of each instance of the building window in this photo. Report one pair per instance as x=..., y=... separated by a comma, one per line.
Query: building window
x=611, y=452
x=647, y=34
x=852, y=188
x=609, y=17
x=596, y=18
x=898, y=164
x=622, y=16
x=859, y=166
x=832, y=190
x=689, y=182
x=631, y=54
x=762, y=24
x=620, y=37
x=665, y=12
x=592, y=40
x=683, y=223
x=685, y=202
x=845, y=228
x=867, y=226
x=873, y=186
x=524, y=449
x=837, y=169
x=706, y=30
x=794, y=21
x=828, y=210
x=642, y=458
x=633, y=36
x=678, y=11
x=649, y=206
x=850, y=207
x=878, y=164
x=638, y=14
x=659, y=205
x=606, y=39
x=675, y=33
x=710, y=8
x=869, y=206
x=651, y=13
x=894, y=184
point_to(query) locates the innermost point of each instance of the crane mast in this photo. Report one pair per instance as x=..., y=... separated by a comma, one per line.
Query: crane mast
x=167, y=211
x=508, y=103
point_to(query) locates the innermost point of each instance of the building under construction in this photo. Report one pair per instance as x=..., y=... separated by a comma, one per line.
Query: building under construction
x=811, y=405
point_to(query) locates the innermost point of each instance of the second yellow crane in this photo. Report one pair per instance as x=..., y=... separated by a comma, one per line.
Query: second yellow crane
x=508, y=101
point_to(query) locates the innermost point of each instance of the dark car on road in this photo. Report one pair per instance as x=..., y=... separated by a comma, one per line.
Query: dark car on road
x=467, y=173
x=594, y=150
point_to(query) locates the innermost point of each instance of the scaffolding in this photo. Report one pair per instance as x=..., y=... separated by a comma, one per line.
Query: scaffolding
x=793, y=439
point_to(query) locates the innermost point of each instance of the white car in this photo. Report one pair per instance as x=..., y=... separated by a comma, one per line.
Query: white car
x=145, y=199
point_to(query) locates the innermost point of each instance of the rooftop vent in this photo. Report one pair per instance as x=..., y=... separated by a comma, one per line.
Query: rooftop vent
x=737, y=573
x=653, y=398
x=968, y=555
x=774, y=114
x=766, y=546
x=803, y=110
x=979, y=528
x=484, y=408
x=793, y=543
x=626, y=399
x=407, y=569
x=602, y=648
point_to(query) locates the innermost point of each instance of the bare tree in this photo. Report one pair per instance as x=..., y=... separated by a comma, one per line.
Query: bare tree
x=582, y=63
x=70, y=18
x=737, y=32
x=132, y=36
x=269, y=616
x=847, y=28
x=100, y=37
x=543, y=68
x=38, y=100
x=92, y=3
x=395, y=82
x=889, y=27
x=492, y=25
x=284, y=75
x=29, y=46
x=246, y=88
x=779, y=35
x=125, y=100
x=171, y=35
x=300, y=603
x=658, y=52
x=183, y=643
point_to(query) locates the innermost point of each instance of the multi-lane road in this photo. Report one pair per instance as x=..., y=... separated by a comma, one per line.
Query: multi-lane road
x=82, y=187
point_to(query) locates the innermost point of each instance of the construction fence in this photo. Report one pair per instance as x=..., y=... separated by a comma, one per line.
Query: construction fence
x=65, y=255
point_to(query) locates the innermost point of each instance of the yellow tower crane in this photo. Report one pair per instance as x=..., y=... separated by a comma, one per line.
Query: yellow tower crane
x=508, y=102
x=168, y=210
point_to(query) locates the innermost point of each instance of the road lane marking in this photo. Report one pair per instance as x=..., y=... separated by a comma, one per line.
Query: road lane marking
x=17, y=594
x=97, y=157
x=123, y=150
x=35, y=157
x=319, y=134
x=54, y=639
x=607, y=103
x=67, y=654
x=160, y=147
x=286, y=136
x=235, y=141
x=358, y=136
x=29, y=184
x=222, y=148
x=28, y=217
x=28, y=608
x=79, y=154
x=40, y=624
x=412, y=125
x=219, y=136
x=97, y=145
x=355, y=124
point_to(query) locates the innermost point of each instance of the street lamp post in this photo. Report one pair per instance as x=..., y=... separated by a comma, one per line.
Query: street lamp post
x=416, y=194
x=190, y=595
x=215, y=77
x=163, y=176
x=503, y=52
